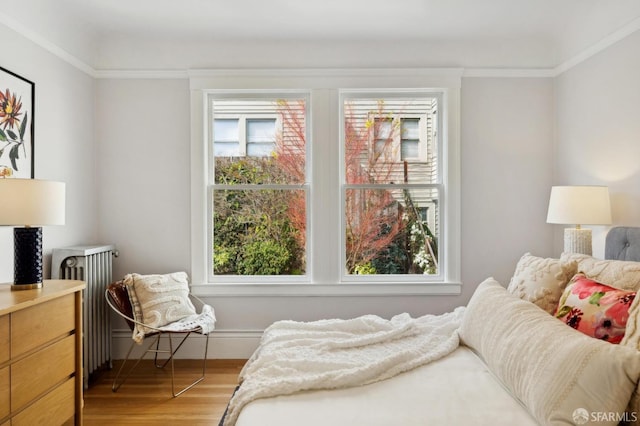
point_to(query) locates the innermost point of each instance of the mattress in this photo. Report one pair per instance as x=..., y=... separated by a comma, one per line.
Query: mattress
x=455, y=390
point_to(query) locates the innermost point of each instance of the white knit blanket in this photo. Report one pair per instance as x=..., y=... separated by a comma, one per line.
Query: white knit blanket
x=328, y=354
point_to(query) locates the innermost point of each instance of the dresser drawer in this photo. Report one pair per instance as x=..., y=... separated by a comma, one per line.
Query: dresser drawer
x=34, y=326
x=5, y=337
x=5, y=397
x=54, y=408
x=39, y=372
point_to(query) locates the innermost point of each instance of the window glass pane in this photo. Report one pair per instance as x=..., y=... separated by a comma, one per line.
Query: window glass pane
x=225, y=137
x=270, y=154
x=410, y=144
x=261, y=130
x=374, y=151
x=259, y=232
x=226, y=149
x=225, y=130
x=410, y=128
x=259, y=149
x=392, y=231
x=261, y=137
x=410, y=150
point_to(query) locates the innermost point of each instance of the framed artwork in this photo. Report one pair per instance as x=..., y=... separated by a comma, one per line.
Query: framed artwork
x=17, y=100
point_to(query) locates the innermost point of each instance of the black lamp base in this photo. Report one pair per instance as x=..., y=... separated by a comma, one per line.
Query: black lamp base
x=27, y=258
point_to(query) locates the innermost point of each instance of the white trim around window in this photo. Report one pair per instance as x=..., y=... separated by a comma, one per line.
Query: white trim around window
x=324, y=269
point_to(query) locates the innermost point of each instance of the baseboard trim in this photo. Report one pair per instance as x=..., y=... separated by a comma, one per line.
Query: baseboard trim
x=223, y=344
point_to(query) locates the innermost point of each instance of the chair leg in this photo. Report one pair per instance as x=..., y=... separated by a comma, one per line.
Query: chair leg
x=115, y=386
x=204, y=367
x=171, y=351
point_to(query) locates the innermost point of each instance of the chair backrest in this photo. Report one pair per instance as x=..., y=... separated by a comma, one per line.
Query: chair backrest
x=120, y=297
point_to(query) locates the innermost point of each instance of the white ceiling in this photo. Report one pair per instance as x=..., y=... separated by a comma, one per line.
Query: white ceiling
x=103, y=32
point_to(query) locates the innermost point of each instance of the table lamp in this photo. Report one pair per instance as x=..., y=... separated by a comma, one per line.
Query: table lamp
x=579, y=205
x=28, y=204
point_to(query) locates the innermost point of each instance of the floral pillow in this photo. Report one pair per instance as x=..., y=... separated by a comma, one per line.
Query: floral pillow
x=595, y=309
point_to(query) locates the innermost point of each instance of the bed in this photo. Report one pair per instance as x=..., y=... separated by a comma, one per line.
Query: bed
x=532, y=352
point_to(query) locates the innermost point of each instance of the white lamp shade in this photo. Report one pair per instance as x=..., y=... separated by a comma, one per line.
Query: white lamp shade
x=579, y=205
x=31, y=202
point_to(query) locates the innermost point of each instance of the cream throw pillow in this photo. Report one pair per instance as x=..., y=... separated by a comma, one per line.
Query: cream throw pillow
x=158, y=300
x=541, y=280
x=620, y=274
x=553, y=369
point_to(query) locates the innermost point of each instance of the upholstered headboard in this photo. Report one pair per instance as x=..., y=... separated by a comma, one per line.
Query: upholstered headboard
x=623, y=243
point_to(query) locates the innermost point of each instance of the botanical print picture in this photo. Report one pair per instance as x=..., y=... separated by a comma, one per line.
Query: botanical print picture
x=16, y=125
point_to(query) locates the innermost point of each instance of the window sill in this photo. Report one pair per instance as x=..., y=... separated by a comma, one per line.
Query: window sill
x=327, y=290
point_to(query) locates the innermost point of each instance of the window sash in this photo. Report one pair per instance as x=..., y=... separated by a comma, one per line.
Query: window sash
x=245, y=147
x=437, y=182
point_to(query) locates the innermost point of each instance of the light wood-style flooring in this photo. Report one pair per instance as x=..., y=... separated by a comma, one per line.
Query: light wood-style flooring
x=145, y=398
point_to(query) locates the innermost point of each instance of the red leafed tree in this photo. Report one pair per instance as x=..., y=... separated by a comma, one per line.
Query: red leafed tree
x=290, y=157
x=372, y=215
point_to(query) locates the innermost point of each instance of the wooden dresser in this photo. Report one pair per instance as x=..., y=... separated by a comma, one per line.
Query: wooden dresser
x=41, y=354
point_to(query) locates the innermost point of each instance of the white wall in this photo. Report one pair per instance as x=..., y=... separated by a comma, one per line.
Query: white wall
x=64, y=145
x=507, y=147
x=142, y=134
x=143, y=143
x=597, y=112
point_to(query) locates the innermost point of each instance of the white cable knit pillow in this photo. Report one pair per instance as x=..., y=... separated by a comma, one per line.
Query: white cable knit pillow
x=553, y=369
x=158, y=300
x=541, y=280
x=622, y=274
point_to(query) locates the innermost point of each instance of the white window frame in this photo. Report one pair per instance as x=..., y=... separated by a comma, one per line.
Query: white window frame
x=325, y=266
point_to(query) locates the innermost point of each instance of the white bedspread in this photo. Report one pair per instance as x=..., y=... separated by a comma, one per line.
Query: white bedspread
x=330, y=354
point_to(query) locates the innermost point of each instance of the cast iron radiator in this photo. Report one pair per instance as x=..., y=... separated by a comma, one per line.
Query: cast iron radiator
x=93, y=265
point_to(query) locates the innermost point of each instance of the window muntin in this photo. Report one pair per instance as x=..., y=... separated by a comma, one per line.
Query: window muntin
x=391, y=185
x=258, y=191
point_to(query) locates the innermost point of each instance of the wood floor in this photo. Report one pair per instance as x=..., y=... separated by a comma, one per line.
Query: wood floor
x=145, y=398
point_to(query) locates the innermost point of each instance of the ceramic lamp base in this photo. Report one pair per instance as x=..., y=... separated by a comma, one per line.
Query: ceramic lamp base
x=27, y=258
x=577, y=240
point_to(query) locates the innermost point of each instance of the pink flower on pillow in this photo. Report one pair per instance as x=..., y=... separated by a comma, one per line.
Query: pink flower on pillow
x=606, y=327
x=584, y=288
x=619, y=309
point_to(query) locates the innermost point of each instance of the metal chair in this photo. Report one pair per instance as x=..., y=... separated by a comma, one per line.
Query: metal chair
x=117, y=298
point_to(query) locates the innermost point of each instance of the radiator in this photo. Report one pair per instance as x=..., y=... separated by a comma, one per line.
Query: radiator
x=93, y=265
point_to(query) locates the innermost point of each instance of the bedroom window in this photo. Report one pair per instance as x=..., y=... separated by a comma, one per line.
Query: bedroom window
x=392, y=184
x=325, y=182
x=258, y=186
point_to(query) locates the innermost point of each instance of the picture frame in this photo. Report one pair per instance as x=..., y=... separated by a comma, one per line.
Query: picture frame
x=17, y=104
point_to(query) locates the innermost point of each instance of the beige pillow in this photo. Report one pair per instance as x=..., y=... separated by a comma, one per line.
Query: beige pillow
x=620, y=274
x=541, y=280
x=158, y=300
x=553, y=369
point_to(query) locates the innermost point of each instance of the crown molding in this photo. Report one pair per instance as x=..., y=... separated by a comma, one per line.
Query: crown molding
x=61, y=53
x=509, y=72
x=603, y=44
x=47, y=45
x=141, y=74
